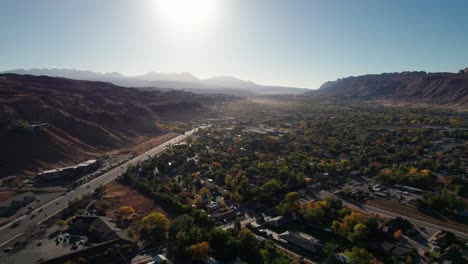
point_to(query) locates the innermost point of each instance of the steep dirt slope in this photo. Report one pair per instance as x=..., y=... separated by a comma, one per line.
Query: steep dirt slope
x=81, y=118
x=448, y=89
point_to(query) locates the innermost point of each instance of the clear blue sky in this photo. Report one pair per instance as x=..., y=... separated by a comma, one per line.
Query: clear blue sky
x=293, y=42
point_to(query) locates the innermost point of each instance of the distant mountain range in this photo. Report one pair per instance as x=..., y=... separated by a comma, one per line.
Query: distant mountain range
x=180, y=81
x=447, y=89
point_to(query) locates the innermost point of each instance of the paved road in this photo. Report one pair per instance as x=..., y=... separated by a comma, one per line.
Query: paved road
x=29, y=222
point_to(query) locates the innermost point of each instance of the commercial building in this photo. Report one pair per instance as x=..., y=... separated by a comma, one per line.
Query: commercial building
x=68, y=172
x=10, y=206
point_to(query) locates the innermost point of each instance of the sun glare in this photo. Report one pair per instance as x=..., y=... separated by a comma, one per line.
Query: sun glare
x=187, y=14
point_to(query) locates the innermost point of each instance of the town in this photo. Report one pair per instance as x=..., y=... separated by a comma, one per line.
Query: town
x=263, y=181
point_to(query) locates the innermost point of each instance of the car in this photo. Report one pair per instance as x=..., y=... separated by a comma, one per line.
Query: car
x=15, y=224
x=57, y=202
x=8, y=249
x=39, y=244
x=32, y=216
x=40, y=210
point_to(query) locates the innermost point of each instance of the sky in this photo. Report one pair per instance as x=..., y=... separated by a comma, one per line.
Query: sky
x=300, y=43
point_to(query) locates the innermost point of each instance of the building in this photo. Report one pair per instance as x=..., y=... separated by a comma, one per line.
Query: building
x=395, y=224
x=397, y=250
x=160, y=259
x=8, y=180
x=276, y=221
x=409, y=189
x=226, y=215
x=68, y=172
x=302, y=240
x=10, y=206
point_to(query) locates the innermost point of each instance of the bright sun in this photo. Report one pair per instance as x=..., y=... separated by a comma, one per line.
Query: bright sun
x=187, y=14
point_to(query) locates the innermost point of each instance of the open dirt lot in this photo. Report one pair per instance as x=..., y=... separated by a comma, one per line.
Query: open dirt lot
x=118, y=195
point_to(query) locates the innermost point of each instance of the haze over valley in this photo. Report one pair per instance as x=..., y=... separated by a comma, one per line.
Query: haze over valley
x=233, y=131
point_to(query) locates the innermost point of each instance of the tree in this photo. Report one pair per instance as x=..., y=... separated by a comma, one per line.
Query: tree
x=225, y=247
x=358, y=256
x=273, y=255
x=200, y=251
x=360, y=232
x=249, y=250
x=330, y=249
x=290, y=204
x=99, y=190
x=197, y=201
x=181, y=223
x=125, y=211
x=205, y=192
x=154, y=227
x=397, y=234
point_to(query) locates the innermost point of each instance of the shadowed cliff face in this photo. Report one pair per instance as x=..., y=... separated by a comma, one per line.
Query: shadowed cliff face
x=83, y=118
x=447, y=89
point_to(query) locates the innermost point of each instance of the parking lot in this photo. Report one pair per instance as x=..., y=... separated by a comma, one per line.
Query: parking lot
x=52, y=242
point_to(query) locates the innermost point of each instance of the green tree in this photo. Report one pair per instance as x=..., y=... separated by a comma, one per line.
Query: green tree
x=358, y=256
x=154, y=227
x=249, y=250
x=224, y=246
x=181, y=223
x=329, y=249
x=290, y=204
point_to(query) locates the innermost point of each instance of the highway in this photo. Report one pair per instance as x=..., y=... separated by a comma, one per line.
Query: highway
x=29, y=223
